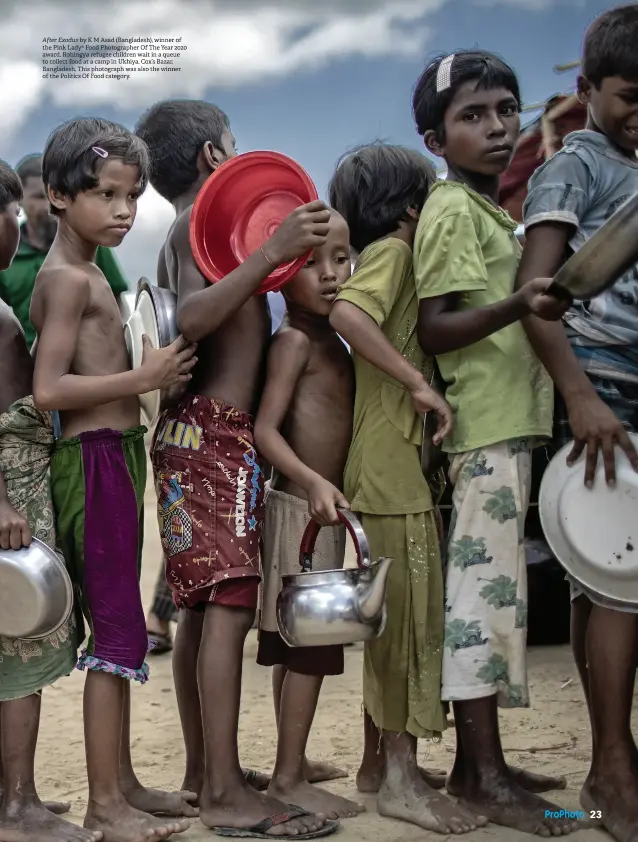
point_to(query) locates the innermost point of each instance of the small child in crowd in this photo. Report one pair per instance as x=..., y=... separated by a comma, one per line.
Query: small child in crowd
x=380, y=191
x=208, y=478
x=26, y=510
x=94, y=172
x=466, y=107
x=303, y=429
x=593, y=360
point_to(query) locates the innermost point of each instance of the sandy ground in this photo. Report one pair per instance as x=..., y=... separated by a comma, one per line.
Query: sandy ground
x=552, y=737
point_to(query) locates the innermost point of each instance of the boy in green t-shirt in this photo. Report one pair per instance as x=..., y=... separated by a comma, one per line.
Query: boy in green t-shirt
x=380, y=191
x=466, y=254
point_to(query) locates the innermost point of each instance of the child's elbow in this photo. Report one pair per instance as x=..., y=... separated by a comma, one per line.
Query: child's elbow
x=427, y=343
x=43, y=399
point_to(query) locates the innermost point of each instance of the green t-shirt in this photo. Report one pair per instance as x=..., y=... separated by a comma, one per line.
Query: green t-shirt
x=383, y=473
x=17, y=282
x=497, y=387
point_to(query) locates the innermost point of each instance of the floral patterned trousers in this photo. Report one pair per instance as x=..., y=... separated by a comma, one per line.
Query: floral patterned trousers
x=486, y=578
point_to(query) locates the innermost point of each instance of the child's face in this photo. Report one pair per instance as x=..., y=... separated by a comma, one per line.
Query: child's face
x=314, y=287
x=104, y=215
x=481, y=130
x=613, y=109
x=9, y=234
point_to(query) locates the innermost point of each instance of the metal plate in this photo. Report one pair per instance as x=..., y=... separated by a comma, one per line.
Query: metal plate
x=593, y=532
x=604, y=258
x=36, y=594
x=155, y=315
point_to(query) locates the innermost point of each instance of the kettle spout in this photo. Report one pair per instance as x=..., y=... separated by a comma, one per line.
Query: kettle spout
x=371, y=597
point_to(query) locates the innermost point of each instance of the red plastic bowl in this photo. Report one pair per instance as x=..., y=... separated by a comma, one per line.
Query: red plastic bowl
x=240, y=206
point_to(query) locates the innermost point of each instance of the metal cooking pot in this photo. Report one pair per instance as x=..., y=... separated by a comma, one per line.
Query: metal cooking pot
x=606, y=256
x=336, y=606
x=36, y=594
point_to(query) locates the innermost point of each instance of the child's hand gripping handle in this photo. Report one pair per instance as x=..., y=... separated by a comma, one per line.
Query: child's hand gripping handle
x=357, y=534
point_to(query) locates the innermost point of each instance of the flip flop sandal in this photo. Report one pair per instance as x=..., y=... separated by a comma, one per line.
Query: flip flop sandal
x=250, y=776
x=159, y=644
x=260, y=830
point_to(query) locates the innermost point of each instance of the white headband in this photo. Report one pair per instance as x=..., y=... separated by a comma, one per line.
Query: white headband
x=444, y=74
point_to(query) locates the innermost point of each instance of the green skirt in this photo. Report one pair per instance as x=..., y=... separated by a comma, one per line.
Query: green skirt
x=402, y=668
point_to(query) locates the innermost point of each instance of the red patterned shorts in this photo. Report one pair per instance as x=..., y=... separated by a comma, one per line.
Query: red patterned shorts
x=210, y=492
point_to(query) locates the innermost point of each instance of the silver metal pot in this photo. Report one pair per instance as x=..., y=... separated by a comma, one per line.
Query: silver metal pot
x=36, y=594
x=604, y=258
x=336, y=606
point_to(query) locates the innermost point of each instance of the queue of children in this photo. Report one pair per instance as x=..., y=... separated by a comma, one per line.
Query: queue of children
x=439, y=280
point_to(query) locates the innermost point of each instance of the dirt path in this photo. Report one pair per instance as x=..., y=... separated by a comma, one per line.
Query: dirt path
x=553, y=736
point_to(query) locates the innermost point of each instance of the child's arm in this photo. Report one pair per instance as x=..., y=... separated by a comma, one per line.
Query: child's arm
x=62, y=300
x=364, y=336
x=592, y=422
x=203, y=307
x=557, y=199
x=14, y=529
x=287, y=359
x=448, y=264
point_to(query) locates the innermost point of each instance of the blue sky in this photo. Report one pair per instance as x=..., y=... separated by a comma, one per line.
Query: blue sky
x=325, y=99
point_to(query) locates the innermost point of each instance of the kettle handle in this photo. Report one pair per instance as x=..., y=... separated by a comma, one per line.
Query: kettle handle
x=357, y=534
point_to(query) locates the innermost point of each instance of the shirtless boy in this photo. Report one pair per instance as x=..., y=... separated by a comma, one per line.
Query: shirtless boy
x=26, y=508
x=94, y=172
x=303, y=428
x=209, y=483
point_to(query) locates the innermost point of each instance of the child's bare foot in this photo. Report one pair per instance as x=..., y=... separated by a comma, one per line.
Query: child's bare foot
x=614, y=802
x=408, y=798
x=531, y=781
x=243, y=808
x=35, y=823
x=315, y=800
x=506, y=803
x=156, y=802
x=258, y=780
x=370, y=777
x=120, y=822
x=58, y=808
x=317, y=772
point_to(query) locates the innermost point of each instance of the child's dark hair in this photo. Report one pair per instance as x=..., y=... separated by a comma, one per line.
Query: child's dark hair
x=175, y=132
x=486, y=70
x=70, y=164
x=610, y=47
x=10, y=186
x=29, y=167
x=373, y=186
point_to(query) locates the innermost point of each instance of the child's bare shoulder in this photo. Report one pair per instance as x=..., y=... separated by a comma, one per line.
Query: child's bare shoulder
x=288, y=341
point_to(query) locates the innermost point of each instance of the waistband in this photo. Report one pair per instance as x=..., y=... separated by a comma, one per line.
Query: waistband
x=103, y=436
x=273, y=495
x=216, y=408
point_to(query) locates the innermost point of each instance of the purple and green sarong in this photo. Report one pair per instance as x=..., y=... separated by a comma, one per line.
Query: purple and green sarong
x=97, y=482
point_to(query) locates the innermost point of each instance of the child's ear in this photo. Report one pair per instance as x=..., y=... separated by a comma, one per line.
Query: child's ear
x=209, y=158
x=583, y=90
x=412, y=213
x=56, y=199
x=433, y=144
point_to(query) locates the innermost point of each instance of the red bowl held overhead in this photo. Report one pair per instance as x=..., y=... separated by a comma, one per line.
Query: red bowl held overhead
x=240, y=206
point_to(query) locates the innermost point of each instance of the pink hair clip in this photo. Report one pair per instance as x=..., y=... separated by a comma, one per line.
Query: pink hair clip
x=99, y=151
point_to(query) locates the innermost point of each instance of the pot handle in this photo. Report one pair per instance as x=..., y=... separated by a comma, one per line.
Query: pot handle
x=357, y=534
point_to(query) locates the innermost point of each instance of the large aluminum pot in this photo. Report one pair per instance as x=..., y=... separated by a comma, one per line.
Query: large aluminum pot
x=336, y=606
x=36, y=594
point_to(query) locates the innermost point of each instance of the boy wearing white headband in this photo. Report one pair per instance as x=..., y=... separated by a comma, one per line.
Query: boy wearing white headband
x=466, y=107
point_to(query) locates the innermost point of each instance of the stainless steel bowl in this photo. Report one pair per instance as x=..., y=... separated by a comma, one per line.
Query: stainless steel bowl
x=604, y=258
x=36, y=594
